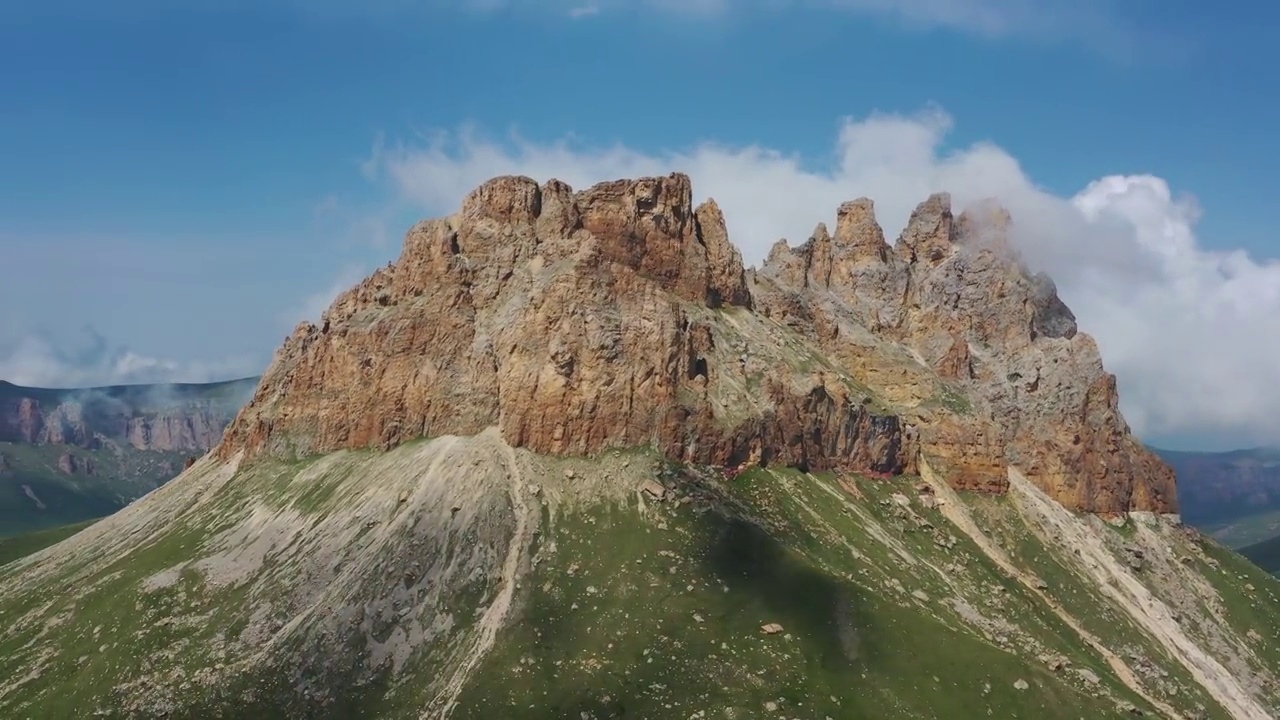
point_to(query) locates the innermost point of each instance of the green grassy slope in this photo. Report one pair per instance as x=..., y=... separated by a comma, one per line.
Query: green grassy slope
x=660, y=614
x=343, y=587
x=36, y=495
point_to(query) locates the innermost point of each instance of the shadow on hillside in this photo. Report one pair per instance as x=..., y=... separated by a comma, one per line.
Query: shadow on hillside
x=807, y=603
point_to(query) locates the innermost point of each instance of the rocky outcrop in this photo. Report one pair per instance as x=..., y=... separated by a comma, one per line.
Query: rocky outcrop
x=955, y=293
x=616, y=316
x=69, y=464
x=573, y=322
x=177, y=430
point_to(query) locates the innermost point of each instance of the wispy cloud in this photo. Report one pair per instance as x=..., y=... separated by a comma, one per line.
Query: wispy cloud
x=1092, y=22
x=1096, y=23
x=1123, y=250
x=314, y=305
x=90, y=360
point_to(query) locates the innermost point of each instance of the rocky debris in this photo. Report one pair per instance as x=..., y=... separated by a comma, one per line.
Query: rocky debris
x=1134, y=557
x=1020, y=684
x=654, y=490
x=31, y=494
x=1090, y=677
x=1055, y=662
x=572, y=321
x=771, y=628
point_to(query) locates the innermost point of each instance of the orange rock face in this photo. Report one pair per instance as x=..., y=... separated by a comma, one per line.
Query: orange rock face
x=621, y=315
x=572, y=321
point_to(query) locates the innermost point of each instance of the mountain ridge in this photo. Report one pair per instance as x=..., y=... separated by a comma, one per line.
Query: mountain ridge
x=950, y=305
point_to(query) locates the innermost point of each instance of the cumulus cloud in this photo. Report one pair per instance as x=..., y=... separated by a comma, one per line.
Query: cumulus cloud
x=1192, y=333
x=89, y=360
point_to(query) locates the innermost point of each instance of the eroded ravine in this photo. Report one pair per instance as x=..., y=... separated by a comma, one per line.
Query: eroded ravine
x=1139, y=603
x=953, y=509
x=496, y=614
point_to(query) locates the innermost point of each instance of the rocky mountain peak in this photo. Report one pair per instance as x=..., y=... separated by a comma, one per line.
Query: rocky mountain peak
x=621, y=315
x=930, y=232
x=857, y=231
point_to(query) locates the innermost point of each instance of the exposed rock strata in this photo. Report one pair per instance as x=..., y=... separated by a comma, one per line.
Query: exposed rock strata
x=90, y=418
x=573, y=322
x=953, y=291
x=615, y=316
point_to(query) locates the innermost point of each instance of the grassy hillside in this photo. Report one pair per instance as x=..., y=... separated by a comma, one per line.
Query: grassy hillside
x=35, y=494
x=458, y=575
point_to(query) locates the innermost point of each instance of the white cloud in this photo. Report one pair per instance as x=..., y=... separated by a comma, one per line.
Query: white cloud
x=90, y=361
x=1193, y=334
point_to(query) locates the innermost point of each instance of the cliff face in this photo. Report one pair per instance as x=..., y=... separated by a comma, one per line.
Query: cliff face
x=954, y=292
x=161, y=418
x=617, y=316
x=72, y=455
x=621, y=315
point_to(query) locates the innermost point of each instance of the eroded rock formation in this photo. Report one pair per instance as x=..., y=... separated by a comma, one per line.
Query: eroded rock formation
x=954, y=292
x=148, y=418
x=573, y=321
x=621, y=315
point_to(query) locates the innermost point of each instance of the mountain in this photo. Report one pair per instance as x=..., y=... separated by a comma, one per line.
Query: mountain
x=71, y=455
x=567, y=457
x=1235, y=496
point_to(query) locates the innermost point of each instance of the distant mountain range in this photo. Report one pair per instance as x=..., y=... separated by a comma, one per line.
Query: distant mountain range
x=1234, y=495
x=68, y=455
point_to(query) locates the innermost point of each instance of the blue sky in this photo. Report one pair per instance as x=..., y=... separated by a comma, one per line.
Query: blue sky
x=181, y=182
